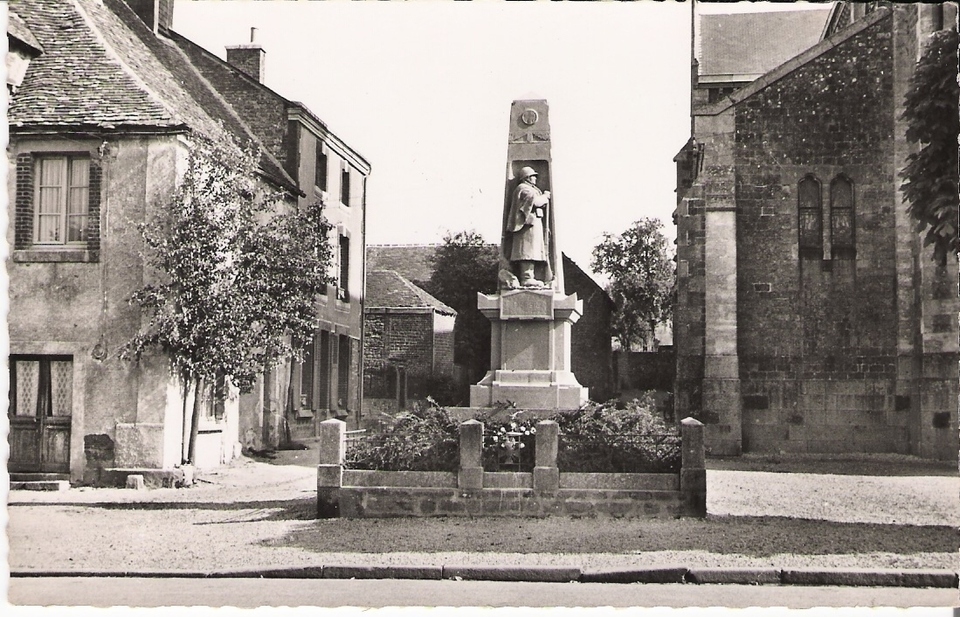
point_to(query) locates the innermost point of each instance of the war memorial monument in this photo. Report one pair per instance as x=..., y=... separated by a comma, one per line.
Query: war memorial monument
x=530, y=315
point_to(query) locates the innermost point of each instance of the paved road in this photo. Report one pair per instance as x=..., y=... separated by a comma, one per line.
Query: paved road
x=248, y=593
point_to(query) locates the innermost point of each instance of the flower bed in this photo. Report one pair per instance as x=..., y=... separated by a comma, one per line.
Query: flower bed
x=597, y=438
x=472, y=491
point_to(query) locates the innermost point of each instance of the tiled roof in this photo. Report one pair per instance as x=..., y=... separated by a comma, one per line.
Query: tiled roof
x=415, y=262
x=95, y=73
x=388, y=289
x=744, y=46
x=412, y=261
x=201, y=92
x=103, y=67
x=263, y=111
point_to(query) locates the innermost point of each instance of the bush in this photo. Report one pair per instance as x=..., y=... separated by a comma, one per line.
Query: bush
x=609, y=437
x=614, y=439
x=425, y=439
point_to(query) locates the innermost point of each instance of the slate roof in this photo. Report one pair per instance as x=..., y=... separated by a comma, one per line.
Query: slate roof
x=264, y=110
x=388, y=289
x=743, y=46
x=95, y=73
x=412, y=261
x=103, y=68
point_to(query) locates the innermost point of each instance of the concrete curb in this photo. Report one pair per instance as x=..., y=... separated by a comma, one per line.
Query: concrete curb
x=734, y=576
x=536, y=574
x=826, y=577
x=639, y=575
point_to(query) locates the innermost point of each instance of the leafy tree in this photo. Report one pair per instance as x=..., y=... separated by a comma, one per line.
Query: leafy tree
x=930, y=178
x=237, y=275
x=462, y=266
x=641, y=274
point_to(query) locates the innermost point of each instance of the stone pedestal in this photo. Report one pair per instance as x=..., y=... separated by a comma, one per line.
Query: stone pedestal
x=530, y=351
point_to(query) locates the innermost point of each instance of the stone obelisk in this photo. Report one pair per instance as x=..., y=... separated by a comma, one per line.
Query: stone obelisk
x=530, y=314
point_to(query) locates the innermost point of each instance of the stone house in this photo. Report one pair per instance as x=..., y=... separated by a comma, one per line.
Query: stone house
x=591, y=348
x=408, y=343
x=90, y=157
x=810, y=318
x=327, y=170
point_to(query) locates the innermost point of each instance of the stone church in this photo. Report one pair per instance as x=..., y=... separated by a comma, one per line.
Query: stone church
x=810, y=317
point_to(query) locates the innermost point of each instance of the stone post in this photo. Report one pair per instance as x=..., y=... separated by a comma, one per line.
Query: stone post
x=693, y=473
x=471, y=452
x=546, y=475
x=333, y=448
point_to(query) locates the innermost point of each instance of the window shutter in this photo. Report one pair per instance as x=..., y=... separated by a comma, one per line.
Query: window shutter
x=93, y=201
x=23, y=224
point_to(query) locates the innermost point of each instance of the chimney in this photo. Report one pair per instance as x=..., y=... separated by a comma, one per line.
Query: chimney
x=248, y=57
x=156, y=14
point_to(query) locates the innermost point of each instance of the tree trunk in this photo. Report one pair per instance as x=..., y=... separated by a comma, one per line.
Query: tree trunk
x=286, y=439
x=195, y=420
x=184, y=436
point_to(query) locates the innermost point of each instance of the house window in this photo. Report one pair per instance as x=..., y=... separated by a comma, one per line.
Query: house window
x=41, y=386
x=213, y=401
x=320, y=173
x=810, y=218
x=57, y=208
x=343, y=276
x=61, y=200
x=345, y=187
x=841, y=218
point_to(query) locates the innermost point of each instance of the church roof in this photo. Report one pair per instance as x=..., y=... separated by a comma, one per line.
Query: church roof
x=795, y=63
x=741, y=47
x=388, y=289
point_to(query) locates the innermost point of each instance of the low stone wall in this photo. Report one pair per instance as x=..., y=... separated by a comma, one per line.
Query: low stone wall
x=474, y=492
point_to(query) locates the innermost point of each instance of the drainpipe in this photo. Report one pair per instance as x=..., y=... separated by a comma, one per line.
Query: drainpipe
x=363, y=297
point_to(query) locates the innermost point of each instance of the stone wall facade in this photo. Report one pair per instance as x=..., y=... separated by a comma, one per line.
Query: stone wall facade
x=591, y=357
x=829, y=317
x=74, y=304
x=413, y=344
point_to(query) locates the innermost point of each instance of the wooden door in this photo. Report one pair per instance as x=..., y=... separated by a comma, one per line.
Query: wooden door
x=41, y=406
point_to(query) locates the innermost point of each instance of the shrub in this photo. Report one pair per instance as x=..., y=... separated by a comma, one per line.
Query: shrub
x=425, y=439
x=608, y=438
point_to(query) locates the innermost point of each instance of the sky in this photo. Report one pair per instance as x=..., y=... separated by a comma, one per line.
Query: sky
x=423, y=90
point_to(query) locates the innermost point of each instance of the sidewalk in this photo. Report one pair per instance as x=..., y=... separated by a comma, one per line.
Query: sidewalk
x=256, y=519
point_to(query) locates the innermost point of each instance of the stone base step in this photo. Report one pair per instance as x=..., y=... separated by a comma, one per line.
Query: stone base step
x=116, y=477
x=40, y=485
x=24, y=476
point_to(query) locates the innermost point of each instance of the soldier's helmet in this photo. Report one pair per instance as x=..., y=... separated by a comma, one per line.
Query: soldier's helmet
x=526, y=172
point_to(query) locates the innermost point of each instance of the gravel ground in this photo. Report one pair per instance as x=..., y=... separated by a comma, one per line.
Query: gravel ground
x=254, y=514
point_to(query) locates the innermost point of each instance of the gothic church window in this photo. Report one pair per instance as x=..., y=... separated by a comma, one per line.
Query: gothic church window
x=810, y=218
x=841, y=218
